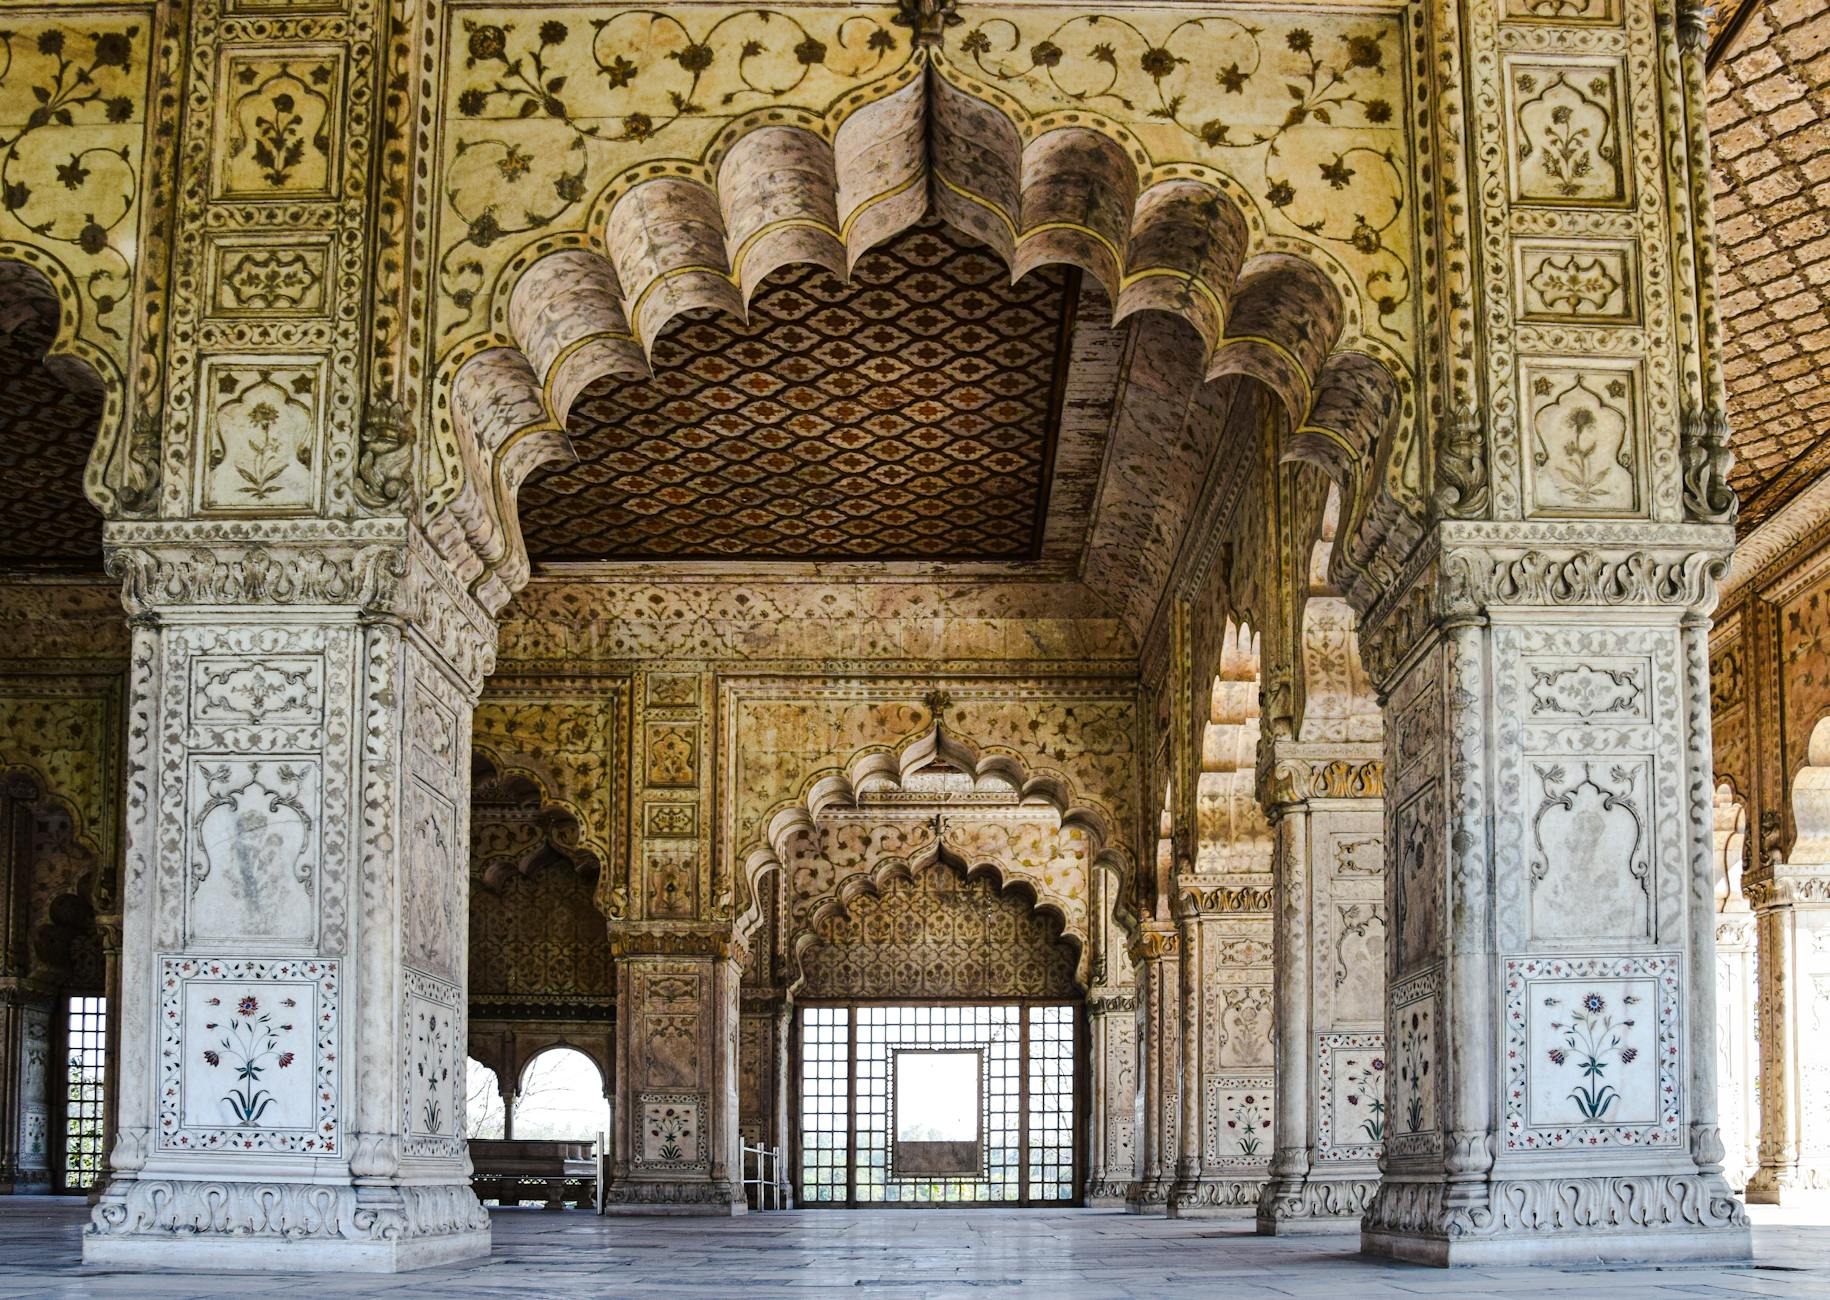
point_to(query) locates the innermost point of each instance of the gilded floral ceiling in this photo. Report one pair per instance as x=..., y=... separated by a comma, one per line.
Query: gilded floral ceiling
x=911, y=413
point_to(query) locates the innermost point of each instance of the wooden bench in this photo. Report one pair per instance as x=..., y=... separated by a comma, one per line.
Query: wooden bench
x=509, y=1170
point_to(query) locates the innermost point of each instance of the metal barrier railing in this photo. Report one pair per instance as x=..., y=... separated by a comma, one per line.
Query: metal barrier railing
x=762, y=1169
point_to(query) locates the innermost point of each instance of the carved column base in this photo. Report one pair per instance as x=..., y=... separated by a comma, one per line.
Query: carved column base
x=703, y=1197
x=1652, y=1218
x=1331, y=1202
x=1800, y=1184
x=1109, y=1192
x=1215, y=1196
x=148, y=1223
x=1148, y=1195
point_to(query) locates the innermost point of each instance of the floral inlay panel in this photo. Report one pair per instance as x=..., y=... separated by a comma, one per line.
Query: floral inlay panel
x=1239, y=1118
x=1593, y=1052
x=248, y=1055
x=1413, y=1123
x=432, y=1075
x=671, y=1132
x=1350, y=1096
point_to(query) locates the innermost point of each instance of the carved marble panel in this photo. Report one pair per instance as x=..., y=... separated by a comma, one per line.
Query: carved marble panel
x=1567, y=120
x=673, y=753
x=671, y=1001
x=1564, y=13
x=1577, y=282
x=671, y=881
x=1419, y=885
x=281, y=689
x=261, y=435
x=256, y=278
x=253, y=832
x=1591, y=859
x=278, y=113
x=1585, y=434
x=1593, y=1050
x=248, y=1055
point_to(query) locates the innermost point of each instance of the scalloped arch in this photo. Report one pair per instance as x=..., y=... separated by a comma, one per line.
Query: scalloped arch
x=106, y=460
x=564, y=819
x=1007, y=882
x=838, y=787
x=674, y=236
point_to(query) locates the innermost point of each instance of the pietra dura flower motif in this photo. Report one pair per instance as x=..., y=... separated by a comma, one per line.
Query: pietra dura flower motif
x=1592, y=1039
x=248, y=1055
x=250, y=1046
x=1593, y=1052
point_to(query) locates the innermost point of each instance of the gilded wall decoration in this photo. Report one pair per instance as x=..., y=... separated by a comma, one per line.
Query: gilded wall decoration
x=570, y=737
x=277, y=119
x=73, y=140
x=1306, y=282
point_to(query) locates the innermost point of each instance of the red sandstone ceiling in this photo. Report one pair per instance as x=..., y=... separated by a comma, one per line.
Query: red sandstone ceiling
x=910, y=414
x=1770, y=121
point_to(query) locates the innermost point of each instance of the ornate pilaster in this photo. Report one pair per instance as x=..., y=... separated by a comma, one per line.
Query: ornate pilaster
x=1330, y=993
x=675, y=1145
x=25, y=1114
x=1225, y=982
x=1738, y=1048
x=292, y=1012
x=1792, y=911
x=1550, y=1009
x=1155, y=955
x=1112, y=1126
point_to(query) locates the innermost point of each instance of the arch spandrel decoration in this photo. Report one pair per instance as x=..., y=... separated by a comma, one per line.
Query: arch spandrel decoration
x=780, y=788
x=73, y=141
x=602, y=174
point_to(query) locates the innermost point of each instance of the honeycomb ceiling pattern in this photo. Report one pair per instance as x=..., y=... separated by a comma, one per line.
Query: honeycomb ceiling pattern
x=905, y=415
x=1769, y=117
x=48, y=422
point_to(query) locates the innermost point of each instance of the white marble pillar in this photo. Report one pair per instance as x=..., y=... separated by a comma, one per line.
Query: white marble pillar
x=293, y=959
x=1792, y=907
x=1155, y=950
x=1551, y=1004
x=1227, y=1129
x=675, y=1136
x=1112, y=1125
x=1330, y=1015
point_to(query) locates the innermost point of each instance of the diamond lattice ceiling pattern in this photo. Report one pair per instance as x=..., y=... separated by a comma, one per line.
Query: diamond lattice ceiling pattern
x=1770, y=120
x=909, y=414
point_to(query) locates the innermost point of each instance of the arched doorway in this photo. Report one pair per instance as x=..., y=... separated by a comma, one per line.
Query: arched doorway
x=938, y=1040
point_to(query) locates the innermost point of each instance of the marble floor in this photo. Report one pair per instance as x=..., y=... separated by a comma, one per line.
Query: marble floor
x=920, y=1255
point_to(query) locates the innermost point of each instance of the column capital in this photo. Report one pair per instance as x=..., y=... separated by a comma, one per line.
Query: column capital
x=1787, y=886
x=376, y=570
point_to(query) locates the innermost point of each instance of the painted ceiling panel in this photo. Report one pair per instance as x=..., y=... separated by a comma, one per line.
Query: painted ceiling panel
x=909, y=414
